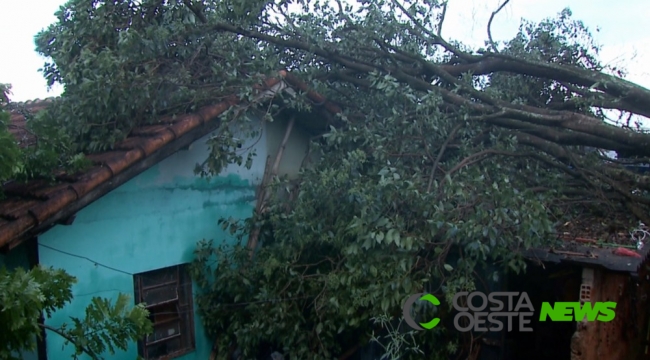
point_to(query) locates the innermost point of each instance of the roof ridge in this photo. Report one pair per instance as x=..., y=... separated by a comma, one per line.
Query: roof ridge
x=31, y=102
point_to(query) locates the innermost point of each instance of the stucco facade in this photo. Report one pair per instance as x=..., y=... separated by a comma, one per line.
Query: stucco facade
x=154, y=221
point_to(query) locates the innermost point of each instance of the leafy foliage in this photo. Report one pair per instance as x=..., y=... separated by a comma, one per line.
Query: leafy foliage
x=102, y=51
x=25, y=295
x=364, y=233
x=445, y=163
x=9, y=151
x=48, y=154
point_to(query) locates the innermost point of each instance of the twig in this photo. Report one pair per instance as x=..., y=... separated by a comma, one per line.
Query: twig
x=442, y=18
x=70, y=339
x=435, y=40
x=195, y=10
x=489, y=26
x=440, y=153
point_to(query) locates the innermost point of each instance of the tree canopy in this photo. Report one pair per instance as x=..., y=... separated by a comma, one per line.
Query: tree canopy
x=447, y=159
x=10, y=154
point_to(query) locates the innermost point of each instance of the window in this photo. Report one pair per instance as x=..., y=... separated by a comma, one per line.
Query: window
x=168, y=296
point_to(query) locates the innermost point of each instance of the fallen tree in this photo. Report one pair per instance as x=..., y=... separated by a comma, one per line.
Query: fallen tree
x=446, y=161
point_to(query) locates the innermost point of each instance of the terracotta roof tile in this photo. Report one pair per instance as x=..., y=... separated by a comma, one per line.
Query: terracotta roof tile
x=91, y=179
x=14, y=229
x=46, y=193
x=15, y=208
x=149, y=130
x=129, y=144
x=43, y=210
x=16, y=188
x=18, y=122
x=28, y=206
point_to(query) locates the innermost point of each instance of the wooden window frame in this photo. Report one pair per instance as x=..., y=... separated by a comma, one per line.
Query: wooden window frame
x=183, y=304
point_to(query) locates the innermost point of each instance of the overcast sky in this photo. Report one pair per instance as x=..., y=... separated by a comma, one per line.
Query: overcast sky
x=620, y=22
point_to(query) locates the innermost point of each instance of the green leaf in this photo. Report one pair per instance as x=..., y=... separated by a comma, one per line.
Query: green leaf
x=373, y=271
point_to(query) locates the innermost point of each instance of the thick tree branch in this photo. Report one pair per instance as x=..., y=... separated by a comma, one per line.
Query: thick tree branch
x=571, y=121
x=632, y=97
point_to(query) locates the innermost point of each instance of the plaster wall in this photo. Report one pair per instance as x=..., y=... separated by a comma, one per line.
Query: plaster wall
x=151, y=222
x=296, y=149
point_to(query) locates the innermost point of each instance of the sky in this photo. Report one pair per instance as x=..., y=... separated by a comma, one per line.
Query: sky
x=466, y=20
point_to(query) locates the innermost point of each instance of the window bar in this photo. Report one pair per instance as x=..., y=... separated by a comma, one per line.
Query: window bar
x=149, y=306
x=179, y=333
x=159, y=285
x=163, y=322
x=140, y=294
x=156, y=342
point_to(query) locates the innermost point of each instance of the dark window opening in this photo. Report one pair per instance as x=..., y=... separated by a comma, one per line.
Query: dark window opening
x=548, y=340
x=167, y=294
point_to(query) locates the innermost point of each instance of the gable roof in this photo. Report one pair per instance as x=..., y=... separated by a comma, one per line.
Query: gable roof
x=29, y=209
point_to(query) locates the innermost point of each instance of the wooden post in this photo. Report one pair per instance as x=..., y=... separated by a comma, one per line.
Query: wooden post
x=269, y=174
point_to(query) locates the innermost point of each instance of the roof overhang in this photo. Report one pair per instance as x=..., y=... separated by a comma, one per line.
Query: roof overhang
x=590, y=257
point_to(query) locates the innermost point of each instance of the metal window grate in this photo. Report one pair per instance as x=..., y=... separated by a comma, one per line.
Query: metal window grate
x=168, y=295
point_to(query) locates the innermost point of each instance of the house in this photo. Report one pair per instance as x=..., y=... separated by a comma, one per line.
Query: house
x=130, y=224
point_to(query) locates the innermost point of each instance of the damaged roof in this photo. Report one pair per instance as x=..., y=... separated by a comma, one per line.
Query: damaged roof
x=32, y=208
x=29, y=209
x=591, y=241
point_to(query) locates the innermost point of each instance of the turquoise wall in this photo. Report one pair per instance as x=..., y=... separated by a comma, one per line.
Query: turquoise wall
x=151, y=222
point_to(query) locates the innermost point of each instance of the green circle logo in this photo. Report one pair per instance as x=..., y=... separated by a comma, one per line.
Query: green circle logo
x=408, y=305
